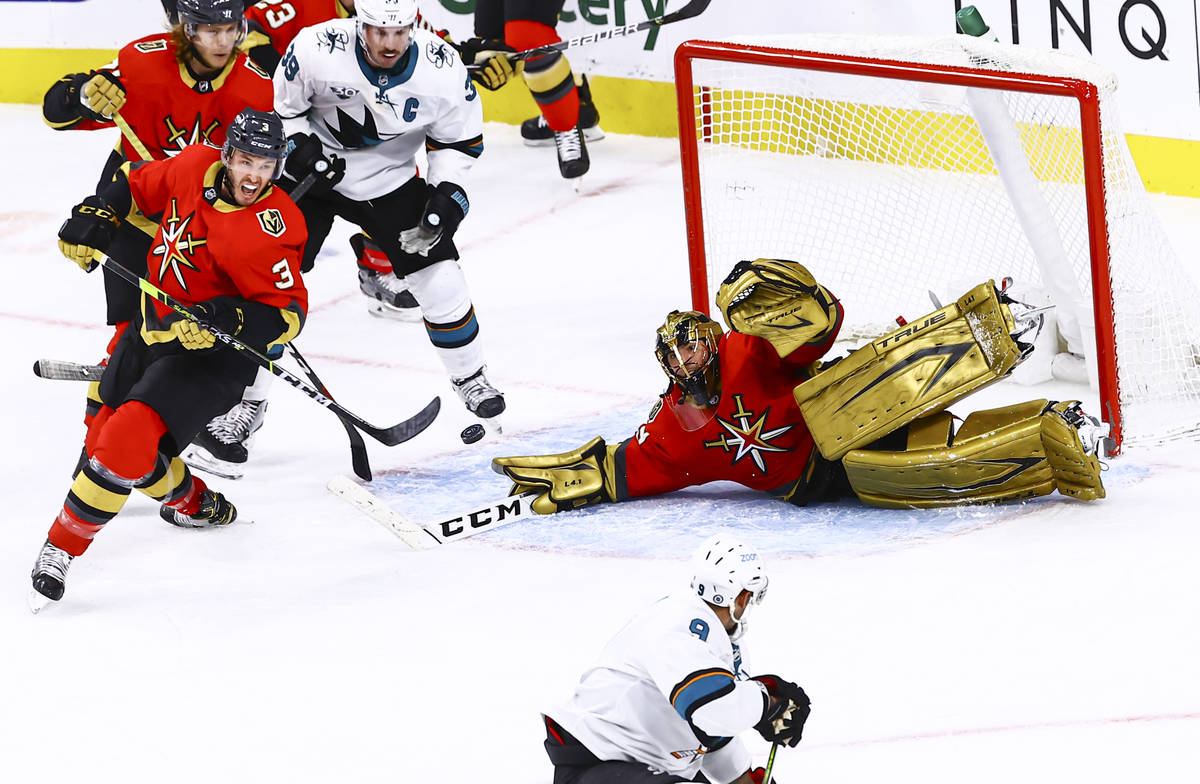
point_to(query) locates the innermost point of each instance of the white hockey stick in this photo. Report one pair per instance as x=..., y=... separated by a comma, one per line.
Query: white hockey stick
x=62, y=370
x=478, y=519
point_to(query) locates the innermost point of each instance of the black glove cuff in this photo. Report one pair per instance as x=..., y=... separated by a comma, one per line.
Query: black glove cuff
x=92, y=223
x=449, y=202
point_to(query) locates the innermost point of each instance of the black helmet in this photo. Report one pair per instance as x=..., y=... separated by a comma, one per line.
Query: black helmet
x=192, y=13
x=256, y=133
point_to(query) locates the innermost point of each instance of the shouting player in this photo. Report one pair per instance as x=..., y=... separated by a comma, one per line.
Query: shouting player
x=359, y=97
x=229, y=246
x=170, y=90
x=669, y=695
x=755, y=406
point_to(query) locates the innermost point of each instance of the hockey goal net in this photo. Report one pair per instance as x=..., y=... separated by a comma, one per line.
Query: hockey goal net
x=895, y=168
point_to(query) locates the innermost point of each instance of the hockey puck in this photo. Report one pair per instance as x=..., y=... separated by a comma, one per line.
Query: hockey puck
x=471, y=434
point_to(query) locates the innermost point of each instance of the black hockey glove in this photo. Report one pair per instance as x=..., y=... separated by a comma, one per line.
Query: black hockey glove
x=785, y=713
x=253, y=323
x=446, y=208
x=306, y=156
x=495, y=67
x=91, y=227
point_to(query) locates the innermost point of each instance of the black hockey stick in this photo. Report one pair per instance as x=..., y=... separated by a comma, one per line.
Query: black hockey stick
x=62, y=370
x=396, y=434
x=694, y=8
x=358, y=448
x=302, y=187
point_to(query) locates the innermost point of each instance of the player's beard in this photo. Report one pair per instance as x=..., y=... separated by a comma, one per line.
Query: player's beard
x=233, y=191
x=204, y=63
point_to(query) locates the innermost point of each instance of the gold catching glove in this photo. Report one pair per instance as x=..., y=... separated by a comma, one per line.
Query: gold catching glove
x=779, y=301
x=102, y=95
x=564, y=481
x=191, y=335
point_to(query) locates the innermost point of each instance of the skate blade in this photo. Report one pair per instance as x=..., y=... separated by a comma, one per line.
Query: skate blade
x=491, y=427
x=38, y=601
x=406, y=315
x=201, y=460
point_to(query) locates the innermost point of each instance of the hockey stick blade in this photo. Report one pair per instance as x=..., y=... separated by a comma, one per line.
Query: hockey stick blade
x=479, y=519
x=694, y=8
x=61, y=370
x=401, y=432
x=358, y=449
x=391, y=436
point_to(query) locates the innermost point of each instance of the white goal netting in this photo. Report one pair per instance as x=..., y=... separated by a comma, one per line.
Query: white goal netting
x=885, y=166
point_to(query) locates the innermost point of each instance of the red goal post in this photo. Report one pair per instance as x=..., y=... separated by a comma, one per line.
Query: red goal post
x=890, y=166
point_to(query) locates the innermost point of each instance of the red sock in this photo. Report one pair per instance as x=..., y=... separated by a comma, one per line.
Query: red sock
x=561, y=114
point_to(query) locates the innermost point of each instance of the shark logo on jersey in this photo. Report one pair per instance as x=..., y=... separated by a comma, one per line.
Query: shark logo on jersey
x=333, y=39
x=352, y=134
x=438, y=53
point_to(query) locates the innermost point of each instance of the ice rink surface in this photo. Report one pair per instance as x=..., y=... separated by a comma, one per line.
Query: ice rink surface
x=1052, y=641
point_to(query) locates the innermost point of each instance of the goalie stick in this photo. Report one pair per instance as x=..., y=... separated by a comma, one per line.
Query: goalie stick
x=480, y=518
x=396, y=434
x=694, y=8
x=61, y=370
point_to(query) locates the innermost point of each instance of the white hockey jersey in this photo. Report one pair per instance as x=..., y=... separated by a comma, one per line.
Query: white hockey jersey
x=378, y=120
x=668, y=691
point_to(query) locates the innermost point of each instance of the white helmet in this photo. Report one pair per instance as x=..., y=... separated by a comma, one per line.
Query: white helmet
x=385, y=13
x=723, y=567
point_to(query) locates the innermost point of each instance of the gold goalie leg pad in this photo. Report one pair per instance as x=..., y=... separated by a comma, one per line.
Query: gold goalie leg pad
x=916, y=370
x=1003, y=454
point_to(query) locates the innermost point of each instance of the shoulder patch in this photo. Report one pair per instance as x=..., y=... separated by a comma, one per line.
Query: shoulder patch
x=439, y=53
x=253, y=66
x=157, y=45
x=271, y=221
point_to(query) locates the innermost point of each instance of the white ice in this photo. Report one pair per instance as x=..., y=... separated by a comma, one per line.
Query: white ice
x=1053, y=641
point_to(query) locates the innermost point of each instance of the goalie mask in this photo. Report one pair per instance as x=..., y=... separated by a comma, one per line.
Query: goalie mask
x=722, y=568
x=686, y=348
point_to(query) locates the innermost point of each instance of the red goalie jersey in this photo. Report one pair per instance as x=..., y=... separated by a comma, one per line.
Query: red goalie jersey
x=206, y=247
x=756, y=437
x=166, y=106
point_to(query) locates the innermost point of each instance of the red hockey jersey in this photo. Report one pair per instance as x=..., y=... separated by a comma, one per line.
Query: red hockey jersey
x=276, y=22
x=756, y=437
x=168, y=108
x=206, y=247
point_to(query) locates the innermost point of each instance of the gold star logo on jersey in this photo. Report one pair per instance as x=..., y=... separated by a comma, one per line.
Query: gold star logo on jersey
x=177, y=246
x=271, y=221
x=197, y=134
x=746, y=438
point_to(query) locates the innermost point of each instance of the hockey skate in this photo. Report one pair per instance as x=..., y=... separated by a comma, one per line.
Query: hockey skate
x=479, y=396
x=392, y=298
x=573, y=160
x=223, y=446
x=536, y=133
x=214, y=511
x=49, y=576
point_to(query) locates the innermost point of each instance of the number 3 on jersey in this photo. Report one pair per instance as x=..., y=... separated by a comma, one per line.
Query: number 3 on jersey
x=281, y=268
x=277, y=16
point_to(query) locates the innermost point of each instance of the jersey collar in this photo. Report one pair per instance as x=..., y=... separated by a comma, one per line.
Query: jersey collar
x=206, y=86
x=386, y=80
